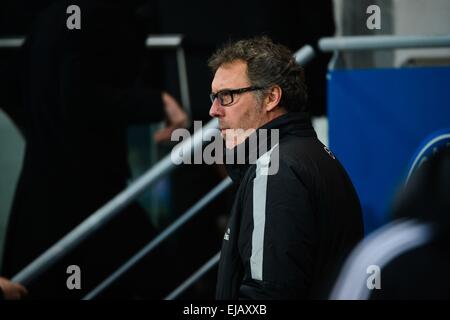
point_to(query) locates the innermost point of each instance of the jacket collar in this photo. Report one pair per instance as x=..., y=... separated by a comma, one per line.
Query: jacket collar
x=291, y=123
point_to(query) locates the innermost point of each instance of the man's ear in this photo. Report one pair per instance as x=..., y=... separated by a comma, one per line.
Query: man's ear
x=273, y=98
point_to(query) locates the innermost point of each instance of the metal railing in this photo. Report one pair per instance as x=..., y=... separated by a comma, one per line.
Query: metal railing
x=111, y=208
x=11, y=43
x=304, y=55
x=189, y=214
x=194, y=277
x=382, y=42
x=174, y=42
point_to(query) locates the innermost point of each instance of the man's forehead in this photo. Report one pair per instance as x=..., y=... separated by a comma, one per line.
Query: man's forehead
x=230, y=75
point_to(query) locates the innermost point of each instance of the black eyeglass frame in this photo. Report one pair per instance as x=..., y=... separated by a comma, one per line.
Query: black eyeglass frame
x=231, y=92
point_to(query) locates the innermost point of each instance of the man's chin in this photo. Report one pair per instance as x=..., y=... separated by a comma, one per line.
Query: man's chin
x=229, y=138
x=234, y=137
x=223, y=133
x=229, y=144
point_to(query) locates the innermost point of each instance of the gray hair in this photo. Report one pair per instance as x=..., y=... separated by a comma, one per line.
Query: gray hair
x=268, y=64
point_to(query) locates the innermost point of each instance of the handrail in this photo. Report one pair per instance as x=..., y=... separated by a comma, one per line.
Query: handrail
x=152, y=41
x=194, y=277
x=164, y=41
x=382, y=42
x=193, y=211
x=112, y=207
x=11, y=42
x=174, y=42
x=304, y=55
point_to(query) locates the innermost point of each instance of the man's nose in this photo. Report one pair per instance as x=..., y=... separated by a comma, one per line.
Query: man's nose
x=216, y=110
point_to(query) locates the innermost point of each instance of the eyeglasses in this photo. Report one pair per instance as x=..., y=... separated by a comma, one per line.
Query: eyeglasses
x=226, y=97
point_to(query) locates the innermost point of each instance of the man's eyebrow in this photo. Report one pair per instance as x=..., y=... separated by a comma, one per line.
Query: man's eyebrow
x=224, y=89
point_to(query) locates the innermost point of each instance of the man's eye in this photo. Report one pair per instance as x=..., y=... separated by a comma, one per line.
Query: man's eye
x=225, y=96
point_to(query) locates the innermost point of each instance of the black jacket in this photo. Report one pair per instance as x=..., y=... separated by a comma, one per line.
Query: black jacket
x=289, y=231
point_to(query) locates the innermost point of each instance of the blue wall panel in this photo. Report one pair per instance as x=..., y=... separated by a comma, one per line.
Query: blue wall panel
x=378, y=118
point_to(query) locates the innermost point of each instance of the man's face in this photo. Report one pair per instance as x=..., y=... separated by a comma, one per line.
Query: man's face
x=245, y=113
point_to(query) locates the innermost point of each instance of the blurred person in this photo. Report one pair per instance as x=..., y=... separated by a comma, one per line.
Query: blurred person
x=411, y=252
x=72, y=93
x=287, y=230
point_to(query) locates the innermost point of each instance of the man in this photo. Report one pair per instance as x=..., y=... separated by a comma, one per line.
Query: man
x=290, y=229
